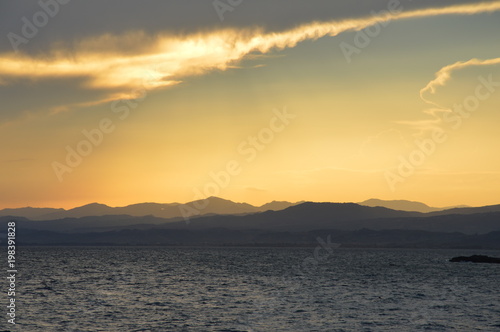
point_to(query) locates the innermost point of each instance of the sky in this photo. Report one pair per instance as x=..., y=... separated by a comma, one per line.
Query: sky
x=123, y=101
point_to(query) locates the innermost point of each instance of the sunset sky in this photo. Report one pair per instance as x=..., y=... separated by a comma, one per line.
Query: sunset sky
x=122, y=101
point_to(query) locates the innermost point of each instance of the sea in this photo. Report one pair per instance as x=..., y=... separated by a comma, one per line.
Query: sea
x=226, y=289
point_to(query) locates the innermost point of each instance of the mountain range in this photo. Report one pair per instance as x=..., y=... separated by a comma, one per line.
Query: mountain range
x=404, y=205
x=214, y=205
x=223, y=222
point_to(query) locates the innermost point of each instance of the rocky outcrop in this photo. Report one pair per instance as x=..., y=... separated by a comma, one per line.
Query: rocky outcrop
x=476, y=259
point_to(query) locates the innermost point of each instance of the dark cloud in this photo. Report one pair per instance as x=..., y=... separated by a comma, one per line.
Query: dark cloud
x=83, y=19
x=104, y=26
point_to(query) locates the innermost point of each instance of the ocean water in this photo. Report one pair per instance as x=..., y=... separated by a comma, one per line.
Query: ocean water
x=253, y=289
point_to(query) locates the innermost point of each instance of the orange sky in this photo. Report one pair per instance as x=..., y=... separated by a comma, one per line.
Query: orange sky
x=401, y=105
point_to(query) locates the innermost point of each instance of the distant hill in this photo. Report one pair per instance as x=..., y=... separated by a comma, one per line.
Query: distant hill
x=404, y=205
x=93, y=209
x=212, y=205
x=349, y=216
x=276, y=206
x=467, y=210
x=87, y=224
x=215, y=205
x=29, y=212
x=371, y=226
x=209, y=206
x=401, y=205
x=305, y=216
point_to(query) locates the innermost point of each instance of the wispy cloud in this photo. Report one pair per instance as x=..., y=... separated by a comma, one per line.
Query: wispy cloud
x=444, y=75
x=121, y=64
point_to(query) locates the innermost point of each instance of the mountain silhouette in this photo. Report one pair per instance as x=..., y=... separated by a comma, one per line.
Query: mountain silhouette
x=350, y=216
x=210, y=205
x=404, y=205
x=401, y=205
x=353, y=224
x=29, y=212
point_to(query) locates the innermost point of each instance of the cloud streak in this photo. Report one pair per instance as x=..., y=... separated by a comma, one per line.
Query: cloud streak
x=444, y=75
x=121, y=64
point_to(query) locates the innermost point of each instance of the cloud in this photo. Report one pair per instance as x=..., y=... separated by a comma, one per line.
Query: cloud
x=125, y=64
x=187, y=16
x=444, y=75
